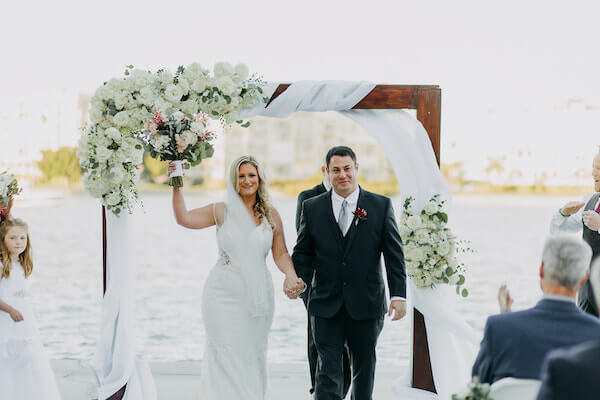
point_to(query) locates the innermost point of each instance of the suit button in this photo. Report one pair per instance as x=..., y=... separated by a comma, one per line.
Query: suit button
x=345, y=283
x=343, y=263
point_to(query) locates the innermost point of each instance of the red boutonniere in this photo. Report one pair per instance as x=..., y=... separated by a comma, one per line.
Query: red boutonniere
x=360, y=215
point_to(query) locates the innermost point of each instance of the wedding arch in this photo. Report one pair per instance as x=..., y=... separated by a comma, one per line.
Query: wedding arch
x=413, y=146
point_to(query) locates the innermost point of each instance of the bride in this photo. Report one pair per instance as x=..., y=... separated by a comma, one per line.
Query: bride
x=237, y=302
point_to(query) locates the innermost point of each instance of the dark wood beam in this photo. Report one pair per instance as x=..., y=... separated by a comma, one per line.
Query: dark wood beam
x=381, y=97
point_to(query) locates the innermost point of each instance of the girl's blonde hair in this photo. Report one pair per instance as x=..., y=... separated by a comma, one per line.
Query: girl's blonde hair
x=262, y=208
x=25, y=257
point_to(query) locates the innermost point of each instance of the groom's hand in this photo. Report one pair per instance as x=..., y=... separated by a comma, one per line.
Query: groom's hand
x=293, y=287
x=398, y=308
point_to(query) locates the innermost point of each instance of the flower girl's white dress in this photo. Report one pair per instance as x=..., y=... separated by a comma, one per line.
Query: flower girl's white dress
x=25, y=372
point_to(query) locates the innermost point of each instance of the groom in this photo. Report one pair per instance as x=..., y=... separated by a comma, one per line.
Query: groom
x=341, y=237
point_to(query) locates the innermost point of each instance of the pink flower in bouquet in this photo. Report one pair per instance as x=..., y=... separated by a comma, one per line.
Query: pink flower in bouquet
x=201, y=117
x=158, y=118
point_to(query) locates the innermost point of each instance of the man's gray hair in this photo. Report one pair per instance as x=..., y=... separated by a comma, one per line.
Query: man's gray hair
x=566, y=260
x=595, y=280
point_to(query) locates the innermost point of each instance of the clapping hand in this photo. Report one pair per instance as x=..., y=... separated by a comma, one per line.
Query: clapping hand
x=591, y=219
x=504, y=299
x=571, y=208
x=293, y=286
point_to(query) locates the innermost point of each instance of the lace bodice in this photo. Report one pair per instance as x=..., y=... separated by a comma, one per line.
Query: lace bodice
x=260, y=238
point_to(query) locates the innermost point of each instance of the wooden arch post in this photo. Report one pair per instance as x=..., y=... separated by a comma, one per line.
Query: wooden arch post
x=427, y=100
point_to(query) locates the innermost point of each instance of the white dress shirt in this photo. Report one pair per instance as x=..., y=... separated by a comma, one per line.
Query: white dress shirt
x=573, y=223
x=352, y=199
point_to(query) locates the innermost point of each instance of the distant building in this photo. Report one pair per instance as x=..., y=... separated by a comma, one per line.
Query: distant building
x=30, y=124
x=294, y=148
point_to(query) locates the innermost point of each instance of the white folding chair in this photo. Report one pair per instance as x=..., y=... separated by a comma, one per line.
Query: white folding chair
x=515, y=389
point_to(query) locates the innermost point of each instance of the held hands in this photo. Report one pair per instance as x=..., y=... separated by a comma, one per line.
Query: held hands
x=571, y=208
x=398, y=307
x=591, y=219
x=504, y=299
x=15, y=315
x=293, y=286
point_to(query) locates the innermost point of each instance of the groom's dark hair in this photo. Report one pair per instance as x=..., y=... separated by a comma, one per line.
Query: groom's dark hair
x=341, y=151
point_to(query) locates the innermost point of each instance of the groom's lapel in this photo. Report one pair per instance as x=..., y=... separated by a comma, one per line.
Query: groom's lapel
x=354, y=227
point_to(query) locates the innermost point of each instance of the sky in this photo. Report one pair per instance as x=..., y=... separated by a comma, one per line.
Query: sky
x=482, y=53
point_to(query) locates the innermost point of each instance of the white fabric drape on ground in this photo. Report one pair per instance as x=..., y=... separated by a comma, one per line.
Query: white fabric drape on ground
x=115, y=362
x=452, y=342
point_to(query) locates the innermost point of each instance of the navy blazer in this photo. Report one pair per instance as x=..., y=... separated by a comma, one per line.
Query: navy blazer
x=572, y=373
x=515, y=343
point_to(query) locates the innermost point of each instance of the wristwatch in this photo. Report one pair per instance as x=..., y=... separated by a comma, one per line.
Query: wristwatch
x=560, y=212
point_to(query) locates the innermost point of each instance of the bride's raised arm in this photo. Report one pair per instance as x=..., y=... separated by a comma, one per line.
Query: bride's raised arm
x=197, y=218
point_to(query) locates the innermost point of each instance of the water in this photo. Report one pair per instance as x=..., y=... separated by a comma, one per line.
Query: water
x=173, y=263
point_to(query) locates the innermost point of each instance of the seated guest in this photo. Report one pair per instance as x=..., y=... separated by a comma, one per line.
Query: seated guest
x=515, y=343
x=574, y=373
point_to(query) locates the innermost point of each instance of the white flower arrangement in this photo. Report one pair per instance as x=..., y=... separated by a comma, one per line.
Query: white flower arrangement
x=9, y=187
x=430, y=247
x=109, y=150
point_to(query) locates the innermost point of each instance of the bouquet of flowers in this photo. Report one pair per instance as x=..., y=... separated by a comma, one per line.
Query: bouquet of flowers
x=121, y=108
x=8, y=187
x=177, y=137
x=430, y=247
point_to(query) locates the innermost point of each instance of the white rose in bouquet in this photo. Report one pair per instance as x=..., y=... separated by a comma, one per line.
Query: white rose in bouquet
x=173, y=93
x=227, y=86
x=114, y=134
x=414, y=222
x=96, y=115
x=178, y=115
x=113, y=198
x=146, y=96
x=198, y=85
x=431, y=208
x=223, y=69
x=118, y=174
x=240, y=73
x=103, y=153
x=121, y=118
x=183, y=85
x=443, y=248
x=165, y=77
x=422, y=235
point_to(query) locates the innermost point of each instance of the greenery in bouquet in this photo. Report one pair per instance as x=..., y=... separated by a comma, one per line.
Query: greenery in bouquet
x=430, y=247
x=109, y=149
x=9, y=187
x=172, y=137
x=475, y=391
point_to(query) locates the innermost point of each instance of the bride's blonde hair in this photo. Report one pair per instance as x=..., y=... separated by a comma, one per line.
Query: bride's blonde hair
x=262, y=208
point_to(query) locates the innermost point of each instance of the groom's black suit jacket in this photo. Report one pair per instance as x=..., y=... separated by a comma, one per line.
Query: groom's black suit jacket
x=347, y=269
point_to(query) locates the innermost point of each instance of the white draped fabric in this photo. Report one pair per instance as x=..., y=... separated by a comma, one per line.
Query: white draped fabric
x=115, y=362
x=452, y=342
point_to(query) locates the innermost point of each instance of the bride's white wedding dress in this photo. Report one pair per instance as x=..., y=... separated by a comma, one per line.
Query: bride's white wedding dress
x=25, y=373
x=237, y=309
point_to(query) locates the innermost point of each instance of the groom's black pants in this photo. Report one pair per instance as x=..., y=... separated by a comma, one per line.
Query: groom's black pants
x=313, y=358
x=331, y=335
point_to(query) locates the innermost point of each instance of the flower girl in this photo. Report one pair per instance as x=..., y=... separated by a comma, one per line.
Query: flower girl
x=25, y=372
